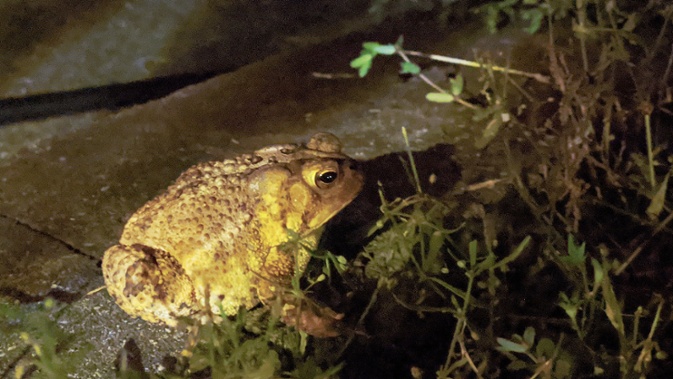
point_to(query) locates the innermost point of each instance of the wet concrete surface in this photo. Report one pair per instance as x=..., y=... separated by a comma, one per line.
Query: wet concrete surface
x=66, y=192
x=49, y=47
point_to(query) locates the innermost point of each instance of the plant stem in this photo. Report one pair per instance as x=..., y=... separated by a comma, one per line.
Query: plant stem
x=459, y=330
x=412, y=162
x=650, y=153
x=668, y=68
x=640, y=247
x=581, y=31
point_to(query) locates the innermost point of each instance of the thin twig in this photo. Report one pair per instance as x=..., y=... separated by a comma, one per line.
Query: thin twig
x=465, y=354
x=419, y=190
x=333, y=75
x=525, y=93
x=640, y=248
x=95, y=290
x=463, y=62
x=485, y=184
x=668, y=68
x=361, y=320
x=650, y=152
x=660, y=37
x=581, y=32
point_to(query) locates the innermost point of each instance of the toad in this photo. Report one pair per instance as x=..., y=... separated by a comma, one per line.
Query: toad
x=216, y=239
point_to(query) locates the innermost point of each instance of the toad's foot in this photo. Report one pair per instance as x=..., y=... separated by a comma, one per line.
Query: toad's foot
x=315, y=320
x=148, y=283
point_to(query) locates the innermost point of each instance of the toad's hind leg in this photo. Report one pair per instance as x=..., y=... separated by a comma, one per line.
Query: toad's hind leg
x=148, y=283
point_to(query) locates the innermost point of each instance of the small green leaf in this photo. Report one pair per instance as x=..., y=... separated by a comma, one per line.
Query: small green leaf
x=563, y=369
x=658, y=200
x=516, y=365
x=535, y=16
x=454, y=302
x=631, y=22
x=409, y=68
x=569, y=305
x=385, y=49
x=370, y=47
x=472, y=249
x=513, y=255
x=339, y=263
x=457, y=84
x=576, y=252
x=598, y=272
x=489, y=132
x=440, y=97
x=529, y=335
x=510, y=346
x=456, y=291
x=436, y=242
x=362, y=60
x=362, y=71
x=612, y=307
x=545, y=348
x=491, y=15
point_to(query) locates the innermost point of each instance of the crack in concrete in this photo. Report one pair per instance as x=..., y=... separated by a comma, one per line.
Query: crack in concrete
x=64, y=243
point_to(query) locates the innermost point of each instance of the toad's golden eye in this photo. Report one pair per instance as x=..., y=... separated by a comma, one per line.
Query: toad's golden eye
x=325, y=178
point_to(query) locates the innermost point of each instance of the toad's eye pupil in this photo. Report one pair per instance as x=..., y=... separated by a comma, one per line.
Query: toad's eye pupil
x=327, y=177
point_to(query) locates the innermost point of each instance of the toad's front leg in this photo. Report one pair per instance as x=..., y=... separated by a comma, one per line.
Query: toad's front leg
x=148, y=283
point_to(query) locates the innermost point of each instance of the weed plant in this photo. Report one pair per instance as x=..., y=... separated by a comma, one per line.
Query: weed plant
x=586, y=150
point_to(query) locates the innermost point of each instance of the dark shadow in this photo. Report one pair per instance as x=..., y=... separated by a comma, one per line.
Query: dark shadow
x=392, y=339
x=112, y=97
x=346, y=233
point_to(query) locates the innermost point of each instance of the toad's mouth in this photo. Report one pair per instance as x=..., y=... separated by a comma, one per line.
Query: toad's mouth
x=321, y=219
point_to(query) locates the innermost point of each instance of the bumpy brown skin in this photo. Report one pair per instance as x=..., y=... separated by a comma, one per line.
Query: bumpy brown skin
x=216, y=236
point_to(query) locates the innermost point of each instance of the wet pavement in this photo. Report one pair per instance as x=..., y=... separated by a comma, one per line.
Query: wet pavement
x=67, y=184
